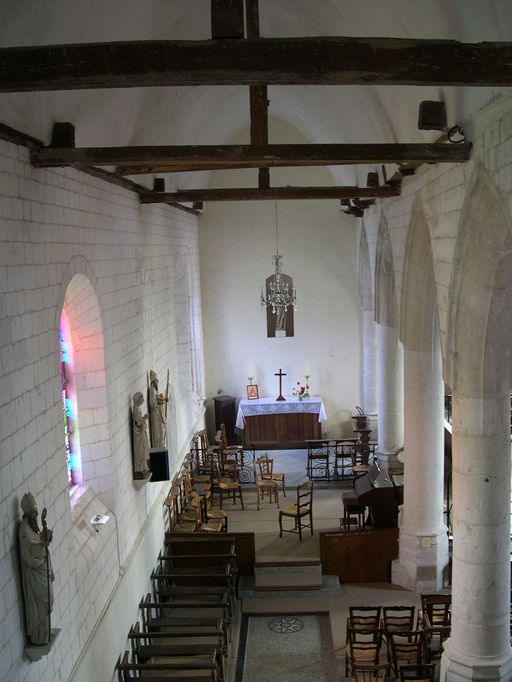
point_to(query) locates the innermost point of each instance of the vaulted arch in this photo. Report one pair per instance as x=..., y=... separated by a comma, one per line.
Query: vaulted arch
x=479, y=363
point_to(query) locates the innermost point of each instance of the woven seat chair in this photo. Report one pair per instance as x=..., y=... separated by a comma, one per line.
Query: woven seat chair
x=302, y=510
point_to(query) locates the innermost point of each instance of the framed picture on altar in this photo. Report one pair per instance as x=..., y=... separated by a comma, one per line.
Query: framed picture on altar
x=252, y=392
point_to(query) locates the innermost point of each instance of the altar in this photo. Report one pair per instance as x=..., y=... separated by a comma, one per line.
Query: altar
x=268, y=424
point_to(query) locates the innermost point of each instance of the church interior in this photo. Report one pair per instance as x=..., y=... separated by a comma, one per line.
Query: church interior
x=166, y=167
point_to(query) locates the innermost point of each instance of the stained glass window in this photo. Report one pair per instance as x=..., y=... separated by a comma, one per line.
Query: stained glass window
x=69, y=405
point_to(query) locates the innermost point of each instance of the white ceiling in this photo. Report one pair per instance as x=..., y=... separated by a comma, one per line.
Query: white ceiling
x=216, y=115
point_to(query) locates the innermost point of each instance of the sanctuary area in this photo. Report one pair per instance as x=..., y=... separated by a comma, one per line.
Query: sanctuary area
x=255, y=339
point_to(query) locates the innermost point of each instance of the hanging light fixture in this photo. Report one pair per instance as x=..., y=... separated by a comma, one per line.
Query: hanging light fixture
x=278, y=297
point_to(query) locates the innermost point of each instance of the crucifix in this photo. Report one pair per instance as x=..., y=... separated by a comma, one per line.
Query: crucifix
x=280, y=374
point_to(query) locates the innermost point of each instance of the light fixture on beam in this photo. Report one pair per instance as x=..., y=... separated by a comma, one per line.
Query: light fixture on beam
x=279, y=294
x=432, y=115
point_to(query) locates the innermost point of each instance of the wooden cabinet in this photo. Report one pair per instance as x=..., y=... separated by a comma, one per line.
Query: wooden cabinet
x=359, y=556
x=225, y=413
x=284, y=430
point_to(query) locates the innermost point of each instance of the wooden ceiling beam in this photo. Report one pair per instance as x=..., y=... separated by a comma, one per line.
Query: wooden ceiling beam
x=258, y=95
x=131, y=160
x=269, y=193
x=260, y=61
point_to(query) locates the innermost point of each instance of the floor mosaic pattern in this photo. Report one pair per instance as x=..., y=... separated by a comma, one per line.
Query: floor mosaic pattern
x=288, y=648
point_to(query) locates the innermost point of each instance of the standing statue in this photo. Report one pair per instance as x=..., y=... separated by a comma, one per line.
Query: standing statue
x=158, y=411
x=140, y=437
x=36, y=571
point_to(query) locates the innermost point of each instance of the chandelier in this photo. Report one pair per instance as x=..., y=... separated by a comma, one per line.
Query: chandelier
x=278, y=297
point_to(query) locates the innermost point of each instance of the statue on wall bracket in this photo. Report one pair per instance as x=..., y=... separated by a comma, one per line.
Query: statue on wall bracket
x=140, y=438
x=37, y=575
x=158, y=412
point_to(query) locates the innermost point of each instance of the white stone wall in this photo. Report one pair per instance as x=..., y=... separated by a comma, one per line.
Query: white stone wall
x=318, y=241
x=439, y=192
x=54, y=225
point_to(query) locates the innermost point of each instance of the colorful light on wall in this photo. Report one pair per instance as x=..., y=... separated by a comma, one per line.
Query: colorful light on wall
x=69, y=404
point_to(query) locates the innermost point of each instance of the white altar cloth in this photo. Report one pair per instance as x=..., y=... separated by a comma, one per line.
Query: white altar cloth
x=250, y=408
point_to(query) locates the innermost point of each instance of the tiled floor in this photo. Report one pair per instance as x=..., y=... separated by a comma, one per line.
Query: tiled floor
x=288, y=648
x=332, y=603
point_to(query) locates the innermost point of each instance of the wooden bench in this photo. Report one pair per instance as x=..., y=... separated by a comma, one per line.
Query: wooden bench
x=149, y=646
x=203, y=668
x=157, y=615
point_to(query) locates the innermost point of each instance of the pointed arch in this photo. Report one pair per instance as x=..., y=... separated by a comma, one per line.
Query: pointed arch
x=481, y=294
x=479, y=357
x=365, y=273
x=385, y=293
x=418, y=310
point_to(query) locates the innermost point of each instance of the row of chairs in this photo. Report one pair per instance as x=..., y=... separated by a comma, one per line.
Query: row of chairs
x=412, y=645
x=184, y=632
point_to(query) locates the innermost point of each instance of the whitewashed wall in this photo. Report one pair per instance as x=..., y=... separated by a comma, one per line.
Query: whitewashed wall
x=440, y=192
x=237, y=242
x=54, y=225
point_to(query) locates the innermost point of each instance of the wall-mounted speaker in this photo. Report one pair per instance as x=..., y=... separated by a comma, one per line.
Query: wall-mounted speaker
x=159, y=464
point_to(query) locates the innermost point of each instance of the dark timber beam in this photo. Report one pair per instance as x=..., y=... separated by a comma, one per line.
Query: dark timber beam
x=269, y=193
x=131, y=160
x=261, y=61
x=258, y=95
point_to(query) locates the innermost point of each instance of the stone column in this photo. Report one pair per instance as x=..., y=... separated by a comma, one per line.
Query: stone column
x=369, y=392
x=479, y=646
x=389, y=392
x=423, y=539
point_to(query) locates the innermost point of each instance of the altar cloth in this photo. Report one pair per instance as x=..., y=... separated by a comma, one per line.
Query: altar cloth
x=251, y=408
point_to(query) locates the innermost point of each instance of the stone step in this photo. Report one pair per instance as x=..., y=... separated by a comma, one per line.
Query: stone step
x=281, y=578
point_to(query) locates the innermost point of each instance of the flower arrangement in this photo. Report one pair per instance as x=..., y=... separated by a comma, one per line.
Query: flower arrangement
x=301, y=391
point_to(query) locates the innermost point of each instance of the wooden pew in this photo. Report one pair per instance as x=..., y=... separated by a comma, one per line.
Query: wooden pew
x=149, y=647
x=162, y=615
x=211, y=543
x=204, y=669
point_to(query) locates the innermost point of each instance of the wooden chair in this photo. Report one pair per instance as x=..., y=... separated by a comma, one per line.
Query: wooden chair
x=362, y=649
x=421, y=673
x=266, y=468
x=398, y=619
x=172, y=503
x=265, y=486
x=364, y=617
x=406, y=648
x=205, y=523
x=360, y=460
x=352, y=508
x=300, y=511
x=369, y=673
x=224, y=482
x=435, y=619
x=437, y=607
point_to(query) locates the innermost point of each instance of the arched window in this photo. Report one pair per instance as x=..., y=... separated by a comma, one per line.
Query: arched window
x=84, y=390
x=69, y=404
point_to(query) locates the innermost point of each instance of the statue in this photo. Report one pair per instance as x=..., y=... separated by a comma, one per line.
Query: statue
x=158, y=412
x=140, y=437
x=36, y=571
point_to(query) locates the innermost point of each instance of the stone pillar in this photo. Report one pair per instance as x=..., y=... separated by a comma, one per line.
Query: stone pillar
x=389, y=392
x=369, y=392
x=423, y=539
x=479, y=646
